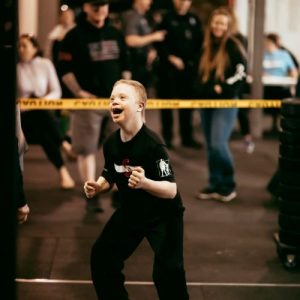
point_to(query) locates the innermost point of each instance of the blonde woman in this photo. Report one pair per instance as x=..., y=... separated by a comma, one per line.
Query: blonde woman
x=221, y=76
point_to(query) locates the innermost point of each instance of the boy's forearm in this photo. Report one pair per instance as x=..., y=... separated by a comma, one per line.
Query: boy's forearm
x=161, y=189
x=104, y=185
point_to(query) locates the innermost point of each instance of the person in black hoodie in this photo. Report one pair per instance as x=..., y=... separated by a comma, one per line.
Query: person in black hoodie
x=92, y=57
x=221, y=76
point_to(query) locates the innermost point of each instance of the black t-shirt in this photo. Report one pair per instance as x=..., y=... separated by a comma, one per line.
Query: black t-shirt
x=147, y=151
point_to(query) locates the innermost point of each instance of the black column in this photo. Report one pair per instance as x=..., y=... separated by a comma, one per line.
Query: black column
x=288, y=237
x=8, y=13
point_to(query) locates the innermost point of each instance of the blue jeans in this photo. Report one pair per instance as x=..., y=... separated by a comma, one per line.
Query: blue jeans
x=217, y=127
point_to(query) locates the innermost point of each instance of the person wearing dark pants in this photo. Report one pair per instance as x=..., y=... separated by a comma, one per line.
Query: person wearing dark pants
x=119, y=240
x=222, y=72
x=150, y=207
x=179, y=55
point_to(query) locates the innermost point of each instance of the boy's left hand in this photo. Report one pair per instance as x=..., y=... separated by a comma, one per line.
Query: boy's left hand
x=136, y=178
x=23, y=213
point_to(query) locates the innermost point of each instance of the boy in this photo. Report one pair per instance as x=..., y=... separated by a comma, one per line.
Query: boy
x=151, y=207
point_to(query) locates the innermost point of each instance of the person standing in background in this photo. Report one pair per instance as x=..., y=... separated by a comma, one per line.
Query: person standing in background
x=93, y=55
x=221, y=76
x=277, y=62
x=139, y=38
x=178, y=62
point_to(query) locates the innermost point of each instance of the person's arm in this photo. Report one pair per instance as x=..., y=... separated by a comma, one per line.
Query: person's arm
x=105, y=182
x=162, y=189
x=131, y=24
x=23, y=208
x=72, y=84
x=92, y=188
x=292, y=68
x=235, y=79
x=137, y=41
x=294, y=73
x=66, y=57
x=124, y=58
x=54, y=88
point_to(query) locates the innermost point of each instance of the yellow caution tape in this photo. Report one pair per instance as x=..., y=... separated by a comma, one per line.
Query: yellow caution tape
x=74, y=104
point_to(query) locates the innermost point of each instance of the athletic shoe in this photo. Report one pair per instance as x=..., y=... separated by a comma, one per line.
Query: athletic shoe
x=207, y=193
x=225, y=197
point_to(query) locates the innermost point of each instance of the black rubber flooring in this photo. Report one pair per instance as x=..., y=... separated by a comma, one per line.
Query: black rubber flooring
x=229, y=249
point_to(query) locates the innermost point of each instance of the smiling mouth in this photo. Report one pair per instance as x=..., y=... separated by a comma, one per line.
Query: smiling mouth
x=117, y=111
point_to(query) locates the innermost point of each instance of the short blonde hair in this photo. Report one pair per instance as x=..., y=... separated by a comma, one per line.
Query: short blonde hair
x=138, y=87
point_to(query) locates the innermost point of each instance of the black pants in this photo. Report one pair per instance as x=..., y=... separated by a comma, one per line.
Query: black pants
x=40, y=127
x=243, y=117
x=174, y=84
x=185, y=125
x=119, y=240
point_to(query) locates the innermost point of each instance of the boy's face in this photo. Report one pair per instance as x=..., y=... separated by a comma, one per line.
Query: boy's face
x=124, y=104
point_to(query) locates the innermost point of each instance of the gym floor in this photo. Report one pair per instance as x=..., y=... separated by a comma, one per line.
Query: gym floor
x=229, y=252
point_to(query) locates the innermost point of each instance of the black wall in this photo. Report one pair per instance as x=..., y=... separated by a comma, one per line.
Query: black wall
x=8, y=25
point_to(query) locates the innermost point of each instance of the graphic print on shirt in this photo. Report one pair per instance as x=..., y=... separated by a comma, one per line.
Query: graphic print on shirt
x=124, y=168
x=163, y=167
x=104, y=50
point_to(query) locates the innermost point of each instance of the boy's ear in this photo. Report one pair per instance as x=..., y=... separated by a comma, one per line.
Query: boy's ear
x=141, y=107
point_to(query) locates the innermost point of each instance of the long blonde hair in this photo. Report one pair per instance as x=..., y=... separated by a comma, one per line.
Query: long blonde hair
x=220, y=60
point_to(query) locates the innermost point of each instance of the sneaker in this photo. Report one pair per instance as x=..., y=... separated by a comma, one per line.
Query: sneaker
x=207, y=193
x=250, y=146
x=225, y=197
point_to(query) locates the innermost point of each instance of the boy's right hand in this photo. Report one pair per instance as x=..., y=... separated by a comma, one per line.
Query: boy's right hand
x=91, y=188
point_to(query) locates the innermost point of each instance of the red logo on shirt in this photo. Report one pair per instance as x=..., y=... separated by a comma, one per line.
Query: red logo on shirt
x=125, y=163
x=65, y=56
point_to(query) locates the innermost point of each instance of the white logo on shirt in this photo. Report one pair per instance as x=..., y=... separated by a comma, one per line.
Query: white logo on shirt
x=104, y=50
x=163, y=168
